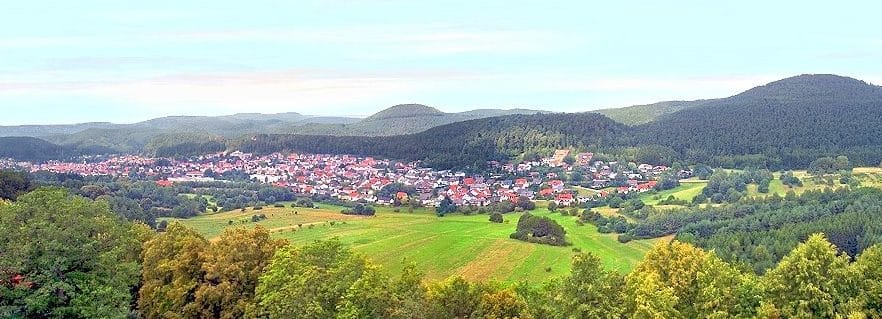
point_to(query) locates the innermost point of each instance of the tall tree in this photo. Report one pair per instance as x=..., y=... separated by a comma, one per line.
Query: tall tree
x=454, y=298
x=65, y=256
x=231, y=269
x=809, y=282
x=308, y=281
x=867, y=272
x=590, y=291
x=172, y=271
x=676, y=265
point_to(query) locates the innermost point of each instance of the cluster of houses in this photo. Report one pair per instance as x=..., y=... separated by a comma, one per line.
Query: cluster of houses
x=354, y=178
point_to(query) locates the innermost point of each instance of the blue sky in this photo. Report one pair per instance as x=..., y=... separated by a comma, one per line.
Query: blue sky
x=125, y=61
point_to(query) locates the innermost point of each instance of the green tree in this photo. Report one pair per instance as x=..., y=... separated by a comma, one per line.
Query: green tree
x=454, y=298
x=67, y=256
x=590, y=291
x=409, y=294
x=867, y=271
x=13, y=184
x=809, y=282
x=369, y=297
x=172, y=272
x=309, y=281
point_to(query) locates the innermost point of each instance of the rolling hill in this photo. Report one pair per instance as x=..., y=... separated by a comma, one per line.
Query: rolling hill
x=786, y=123
x=783, y=124
x=160, y=136
x=642, y=114
x=467, y=143
x=29, y=149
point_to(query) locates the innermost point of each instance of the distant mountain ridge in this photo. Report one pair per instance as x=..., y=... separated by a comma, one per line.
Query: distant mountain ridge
x=783, y=124
x=157, y=134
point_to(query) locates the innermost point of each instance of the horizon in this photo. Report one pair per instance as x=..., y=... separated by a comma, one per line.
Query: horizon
x=126, y=63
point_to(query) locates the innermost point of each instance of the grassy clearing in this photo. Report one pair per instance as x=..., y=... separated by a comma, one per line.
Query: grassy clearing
x=686, y=191
x=469, y=246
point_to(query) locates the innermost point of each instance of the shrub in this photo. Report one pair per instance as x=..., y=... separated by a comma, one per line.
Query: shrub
x=496, y=218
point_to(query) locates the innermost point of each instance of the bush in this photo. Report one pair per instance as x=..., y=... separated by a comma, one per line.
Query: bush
x=258, y=207
x=496, y=218
x=624, y=238
x=279, y=205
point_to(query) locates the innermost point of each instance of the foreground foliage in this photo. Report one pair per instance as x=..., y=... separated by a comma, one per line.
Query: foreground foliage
x=246, y=274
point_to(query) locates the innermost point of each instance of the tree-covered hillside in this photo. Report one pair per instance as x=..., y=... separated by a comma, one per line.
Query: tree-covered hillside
x=641, y=114
x=464, y=143
x=787, y=123
x=28, y=149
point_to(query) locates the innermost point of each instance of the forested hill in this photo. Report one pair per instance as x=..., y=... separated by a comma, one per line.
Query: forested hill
x=785, y=123
x=28, y=149
x=642, y=114
x=468, y=143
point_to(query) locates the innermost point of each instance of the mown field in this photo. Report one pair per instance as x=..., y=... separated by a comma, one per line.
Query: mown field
x=469, y=246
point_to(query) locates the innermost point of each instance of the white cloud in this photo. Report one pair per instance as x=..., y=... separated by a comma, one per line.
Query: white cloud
x=308, y=91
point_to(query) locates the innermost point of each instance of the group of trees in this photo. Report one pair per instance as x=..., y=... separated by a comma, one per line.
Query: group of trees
x=725, y=186
x=361, y=210
x=829, y=165
x=540, y=229
x=13, y=183
x=759, y=232
x=90, y=263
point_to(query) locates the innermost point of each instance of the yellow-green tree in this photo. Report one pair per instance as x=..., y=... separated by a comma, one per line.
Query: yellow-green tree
x=867, y=272
x=231, y=267
x=810, y=282
x=172, y=270
x=674, y=265
x=502, y=304
x=649, y=298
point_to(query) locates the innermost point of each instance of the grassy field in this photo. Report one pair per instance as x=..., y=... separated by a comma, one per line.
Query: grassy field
x=686, y=191
x=469, y=246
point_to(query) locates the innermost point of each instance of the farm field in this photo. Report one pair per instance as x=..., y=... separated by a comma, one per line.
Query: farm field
x=469, y=246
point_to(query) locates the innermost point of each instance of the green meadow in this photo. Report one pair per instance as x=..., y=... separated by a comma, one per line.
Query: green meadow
x=468, y=246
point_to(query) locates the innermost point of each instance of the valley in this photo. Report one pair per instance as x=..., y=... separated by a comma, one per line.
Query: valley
x=456, y=245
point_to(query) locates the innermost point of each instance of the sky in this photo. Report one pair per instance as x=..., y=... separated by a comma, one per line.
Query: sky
x=127, y=61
